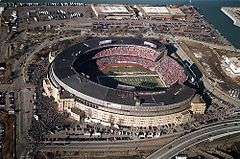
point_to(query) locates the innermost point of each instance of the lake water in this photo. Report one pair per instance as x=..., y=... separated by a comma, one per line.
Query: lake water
x=209, y=8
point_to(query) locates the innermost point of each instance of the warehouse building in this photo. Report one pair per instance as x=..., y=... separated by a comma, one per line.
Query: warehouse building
x=106, y=11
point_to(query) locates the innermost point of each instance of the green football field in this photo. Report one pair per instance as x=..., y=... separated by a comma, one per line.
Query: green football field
x=132, y=76
x=137, y=81
x=127, y=69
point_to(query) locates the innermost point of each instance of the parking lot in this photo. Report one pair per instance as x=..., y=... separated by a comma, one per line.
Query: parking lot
x=33, y=14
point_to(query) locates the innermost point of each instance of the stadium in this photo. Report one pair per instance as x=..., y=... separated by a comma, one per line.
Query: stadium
x=126, y=81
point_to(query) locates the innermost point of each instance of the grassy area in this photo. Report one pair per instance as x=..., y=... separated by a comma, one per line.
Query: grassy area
x=131, y=75
x=126, y=69
x=143, y=81
x=137, y=81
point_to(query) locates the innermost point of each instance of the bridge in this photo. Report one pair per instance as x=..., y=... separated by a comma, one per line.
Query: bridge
x=207, y=133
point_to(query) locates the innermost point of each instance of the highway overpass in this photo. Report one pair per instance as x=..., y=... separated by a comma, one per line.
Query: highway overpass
x=207, y=133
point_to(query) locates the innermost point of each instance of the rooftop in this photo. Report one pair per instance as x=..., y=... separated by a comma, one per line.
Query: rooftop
x=197, y=99
x=175, y=11
x=235, y=61
x=65, y=94
x=3, y=66
x=111, y=8
x=1, y=10
x=156, y=10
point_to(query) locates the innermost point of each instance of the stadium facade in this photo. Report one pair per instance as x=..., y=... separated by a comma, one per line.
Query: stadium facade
x=73, y=84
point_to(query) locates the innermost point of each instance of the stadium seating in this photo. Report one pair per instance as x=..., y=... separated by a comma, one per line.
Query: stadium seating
x=171, y=71
x=139, y=51
x=105, y=61
x=167, y=68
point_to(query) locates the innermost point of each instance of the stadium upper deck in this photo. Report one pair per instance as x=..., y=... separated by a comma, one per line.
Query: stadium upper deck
x=62, y=73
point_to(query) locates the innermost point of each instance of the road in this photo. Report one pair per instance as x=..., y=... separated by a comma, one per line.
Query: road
x=211, y=45
x=186, y=141
x=165, y=152
x=8, y=149
x=147, y=144
x=210, y=86
x=25, y=95
x=108, y=146
x=30, y=55
x=215, y=46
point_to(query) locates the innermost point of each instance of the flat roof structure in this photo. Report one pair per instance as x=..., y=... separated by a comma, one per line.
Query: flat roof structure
x=3, y=66
x=159, y=12
x=117, y=11
x=113, y=9
x=156, y=10
x=234, y=64
x=1, y=10
x=175, y=11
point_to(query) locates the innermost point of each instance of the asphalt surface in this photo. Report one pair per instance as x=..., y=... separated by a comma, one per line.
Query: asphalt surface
x=167, y=151
x=193, y=138
x=30, y=55
x=107, y=146
x=25, y=95
x=8, y=148
x=210, y=86
x=176, y=144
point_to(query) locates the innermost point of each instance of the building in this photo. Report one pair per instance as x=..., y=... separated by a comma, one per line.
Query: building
x=106, y=11
x=66, y=101
x=75, y=92
x=74, y=106
x=233, y=65
x=154, y=12
x=51, y=56
x=150, y=12
x=198, y=106
x=181, y=156
x=3, y=67
x=176, y=12
x=51, y=90
x=127, y=120
x=1, y=11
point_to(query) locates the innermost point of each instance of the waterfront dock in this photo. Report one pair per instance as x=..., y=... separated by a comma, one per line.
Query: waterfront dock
x=230, y=12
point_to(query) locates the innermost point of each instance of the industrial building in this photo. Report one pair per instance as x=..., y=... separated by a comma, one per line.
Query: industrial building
x=149, y=12
x=107, y=11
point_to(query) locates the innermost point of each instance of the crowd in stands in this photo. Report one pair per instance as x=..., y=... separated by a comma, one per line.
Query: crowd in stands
x=167, y=68
x=105, y=61
x=171, y=71
x=139, y=51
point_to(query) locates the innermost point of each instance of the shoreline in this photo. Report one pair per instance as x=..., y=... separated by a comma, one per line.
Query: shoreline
x=227, y=11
